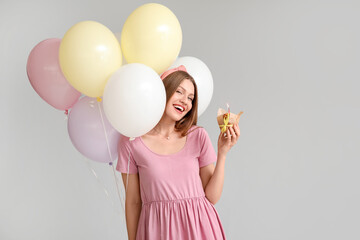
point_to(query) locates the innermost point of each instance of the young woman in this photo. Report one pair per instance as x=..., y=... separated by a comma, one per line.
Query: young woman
x=169, y=174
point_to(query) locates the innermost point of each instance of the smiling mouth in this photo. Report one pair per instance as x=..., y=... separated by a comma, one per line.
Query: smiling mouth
x=179, y=108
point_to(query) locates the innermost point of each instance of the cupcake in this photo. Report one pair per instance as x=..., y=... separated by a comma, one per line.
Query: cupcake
x=226, y=119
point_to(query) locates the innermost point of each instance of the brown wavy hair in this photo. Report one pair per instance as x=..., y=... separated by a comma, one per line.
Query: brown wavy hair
x=171, y=83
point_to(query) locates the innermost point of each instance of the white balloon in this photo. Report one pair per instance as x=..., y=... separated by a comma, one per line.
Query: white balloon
x=134, y=99
x=203, y=78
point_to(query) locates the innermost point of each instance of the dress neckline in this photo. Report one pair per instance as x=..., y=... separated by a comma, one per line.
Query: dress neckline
x=166, y=155
x=172, y=154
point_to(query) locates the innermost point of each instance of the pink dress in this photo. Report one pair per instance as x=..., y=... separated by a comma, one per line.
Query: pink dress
x=174, y=206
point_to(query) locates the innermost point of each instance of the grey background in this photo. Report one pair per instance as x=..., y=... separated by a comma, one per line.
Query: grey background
x=292, y=66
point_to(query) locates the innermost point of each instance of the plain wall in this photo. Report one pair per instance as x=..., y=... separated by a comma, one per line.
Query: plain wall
x=291, y=66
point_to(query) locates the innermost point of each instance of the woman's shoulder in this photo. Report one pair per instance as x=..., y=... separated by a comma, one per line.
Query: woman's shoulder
x=198, y=135
x=197, y=130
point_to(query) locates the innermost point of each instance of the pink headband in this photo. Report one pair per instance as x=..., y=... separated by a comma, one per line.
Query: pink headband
x=170, y=71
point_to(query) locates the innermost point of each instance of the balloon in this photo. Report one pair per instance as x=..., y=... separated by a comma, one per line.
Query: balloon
x=134, y=99
x=89, y=53
x=46, y=78
x=203, y=78
x=118, y=37
x=151, y=35
x=87, y=133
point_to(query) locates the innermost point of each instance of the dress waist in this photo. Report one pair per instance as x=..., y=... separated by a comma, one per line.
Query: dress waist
x=173, y=200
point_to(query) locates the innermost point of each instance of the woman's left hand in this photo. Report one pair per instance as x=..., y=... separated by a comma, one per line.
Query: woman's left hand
x=228, y=139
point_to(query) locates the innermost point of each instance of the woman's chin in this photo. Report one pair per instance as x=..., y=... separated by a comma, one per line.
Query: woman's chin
x=174, y=117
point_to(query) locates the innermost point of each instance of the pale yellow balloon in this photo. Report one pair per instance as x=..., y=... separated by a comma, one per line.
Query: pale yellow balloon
x=89, y=53
x=152, y=36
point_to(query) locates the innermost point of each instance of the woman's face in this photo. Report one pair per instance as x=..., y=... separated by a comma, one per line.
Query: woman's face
x=180, y=102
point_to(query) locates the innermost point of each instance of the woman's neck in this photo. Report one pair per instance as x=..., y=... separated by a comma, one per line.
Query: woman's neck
x=165, y=127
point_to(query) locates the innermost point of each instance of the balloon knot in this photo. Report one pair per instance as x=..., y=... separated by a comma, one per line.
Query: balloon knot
x=99, y=99
x=110, y=163
x=66, y=112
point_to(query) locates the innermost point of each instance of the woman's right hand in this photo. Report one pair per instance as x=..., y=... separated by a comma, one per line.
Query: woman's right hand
x=228, y=139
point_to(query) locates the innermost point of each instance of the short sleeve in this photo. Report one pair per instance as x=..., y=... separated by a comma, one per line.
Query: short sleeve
x=124, y=151
x=207, y=152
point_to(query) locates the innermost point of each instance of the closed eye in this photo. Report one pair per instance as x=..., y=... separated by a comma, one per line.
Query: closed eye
x=179, y=91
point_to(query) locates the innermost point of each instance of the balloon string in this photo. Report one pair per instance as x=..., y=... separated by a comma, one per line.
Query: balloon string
x=127, y=174
x=118, y=212
x=66, y=114
x=108, y=147
x=119, y=195
x=106, y=136
x=118, y=188
x=103, y=186
x=128, y=166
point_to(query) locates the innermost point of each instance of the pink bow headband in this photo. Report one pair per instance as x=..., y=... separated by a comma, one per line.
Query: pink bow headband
x=170, y=71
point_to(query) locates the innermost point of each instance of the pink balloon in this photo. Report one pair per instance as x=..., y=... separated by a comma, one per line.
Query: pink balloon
x=46, y=78
x=86, y=131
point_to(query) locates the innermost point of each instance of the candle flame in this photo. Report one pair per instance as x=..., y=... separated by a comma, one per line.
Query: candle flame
x=228, y=107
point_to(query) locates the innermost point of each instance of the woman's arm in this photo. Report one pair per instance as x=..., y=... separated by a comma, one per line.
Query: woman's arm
x=133, y=204
x=213, y=177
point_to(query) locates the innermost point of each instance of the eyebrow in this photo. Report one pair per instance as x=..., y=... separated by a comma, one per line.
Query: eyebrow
x=185, y=91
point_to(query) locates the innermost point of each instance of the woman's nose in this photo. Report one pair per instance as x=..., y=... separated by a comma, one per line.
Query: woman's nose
x=183, y=100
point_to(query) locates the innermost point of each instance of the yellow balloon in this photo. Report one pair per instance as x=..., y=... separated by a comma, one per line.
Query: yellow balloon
x=152, y=36
x=89, y=53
